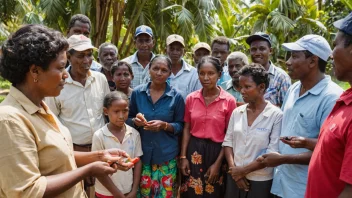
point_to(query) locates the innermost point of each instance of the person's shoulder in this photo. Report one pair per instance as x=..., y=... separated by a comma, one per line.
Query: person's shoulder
x=140, y=88
x=227, y=96
x=275, y=109
x=132, y=130
x=333, y=89
x=128, y=59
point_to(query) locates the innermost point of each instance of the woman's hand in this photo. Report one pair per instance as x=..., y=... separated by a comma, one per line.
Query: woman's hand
x=213, y=173
x=237, y=172
x=243, y=184
x=99, y=169
x=185, y=167
x=155, y=125
x=113, y=155
x=132, y=194
x=138, y=122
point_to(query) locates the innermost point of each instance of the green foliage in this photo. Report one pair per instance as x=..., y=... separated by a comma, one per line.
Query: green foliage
x=2, y=98
x=4, y=84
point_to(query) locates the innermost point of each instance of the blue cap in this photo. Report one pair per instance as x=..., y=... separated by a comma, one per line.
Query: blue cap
x=258, y=36
x=315, y=44
x=143, y=29
x=345, y=24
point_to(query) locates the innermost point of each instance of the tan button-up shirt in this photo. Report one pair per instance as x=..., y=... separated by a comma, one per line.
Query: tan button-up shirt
x=131, y=143
x=80, y=108
x=33, y=145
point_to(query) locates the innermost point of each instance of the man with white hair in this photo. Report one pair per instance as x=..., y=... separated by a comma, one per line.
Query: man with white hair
x=235, y=61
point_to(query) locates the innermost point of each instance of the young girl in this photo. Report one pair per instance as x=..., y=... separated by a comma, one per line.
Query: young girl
x=122, y=75
x=116, y=134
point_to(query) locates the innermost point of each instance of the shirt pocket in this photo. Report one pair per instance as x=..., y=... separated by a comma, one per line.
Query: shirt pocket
x=305, y=126
x=98, y=99
x=262, y=136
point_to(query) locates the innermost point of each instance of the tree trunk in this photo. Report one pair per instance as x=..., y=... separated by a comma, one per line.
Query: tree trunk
x=118, y=13
x=132, y=23
x=103, y=8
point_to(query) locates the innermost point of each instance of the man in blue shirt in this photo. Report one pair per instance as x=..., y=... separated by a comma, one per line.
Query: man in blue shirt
x=307, y=103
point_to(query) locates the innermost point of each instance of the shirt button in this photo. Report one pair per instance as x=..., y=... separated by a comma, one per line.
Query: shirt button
x=153, y=109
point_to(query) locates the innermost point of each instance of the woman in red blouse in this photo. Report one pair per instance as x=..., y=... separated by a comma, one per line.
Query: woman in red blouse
x=207, y=114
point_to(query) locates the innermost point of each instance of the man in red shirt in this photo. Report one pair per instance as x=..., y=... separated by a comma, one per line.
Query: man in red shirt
x=330, y=168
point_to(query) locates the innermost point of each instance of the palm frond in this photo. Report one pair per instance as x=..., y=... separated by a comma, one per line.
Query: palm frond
x=280, y=23
x=52, y=9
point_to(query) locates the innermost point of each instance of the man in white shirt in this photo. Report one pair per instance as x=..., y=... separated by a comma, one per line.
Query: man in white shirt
x=80, y=104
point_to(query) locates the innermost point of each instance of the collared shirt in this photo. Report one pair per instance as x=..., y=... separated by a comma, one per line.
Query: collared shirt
x=209, y=122
x=131, y=143
x=330, y=166
x=139, y=72
x=228, y=86
x=225, y=76
x=278, y=85
x=185, y=81
x=162, y=146
x=80, y=108
x=303, y=116
x=34, y=144
x=249, y=142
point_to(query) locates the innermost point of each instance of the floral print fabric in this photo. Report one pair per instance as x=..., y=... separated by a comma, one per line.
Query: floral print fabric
x=201, y=154
x=158, y=180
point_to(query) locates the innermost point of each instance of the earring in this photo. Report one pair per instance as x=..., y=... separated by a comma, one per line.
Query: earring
x=35, y=80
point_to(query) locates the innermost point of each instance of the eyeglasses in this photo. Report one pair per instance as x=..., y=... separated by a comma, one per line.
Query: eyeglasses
x=147, y=41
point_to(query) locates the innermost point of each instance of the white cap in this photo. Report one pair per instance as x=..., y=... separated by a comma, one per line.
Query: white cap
x=79, y=43
x=315, y=44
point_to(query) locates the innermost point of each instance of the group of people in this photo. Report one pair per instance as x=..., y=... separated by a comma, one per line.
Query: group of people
x=223, y=127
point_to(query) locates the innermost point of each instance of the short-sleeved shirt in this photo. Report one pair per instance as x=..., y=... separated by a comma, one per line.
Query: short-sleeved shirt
x=80, y=108
x=131, y=143
x=209, y=122
x=185, y=81
x=95, y=66
x=303, y=116
x=330, y=167
x=249, y=142
x=139, y=72
x=278, y=85
x=162, y=146
x=228, y=86
x=34, y=144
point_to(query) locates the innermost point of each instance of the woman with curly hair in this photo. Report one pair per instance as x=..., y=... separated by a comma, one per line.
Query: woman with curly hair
x=36, y=152
x=253, y=130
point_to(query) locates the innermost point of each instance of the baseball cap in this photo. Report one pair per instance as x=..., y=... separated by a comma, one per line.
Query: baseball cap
x=315, y=44
x=201, y=45
x=345, y=24
x=143, y=29
x=258, y=36
x=79, y=43
x=175, y=38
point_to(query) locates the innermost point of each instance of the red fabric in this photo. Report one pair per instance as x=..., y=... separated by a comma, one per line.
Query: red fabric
x=209, y=122
x=330, y=167
x=102, y=196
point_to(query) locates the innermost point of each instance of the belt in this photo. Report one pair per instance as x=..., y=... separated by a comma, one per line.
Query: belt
x=82, y=147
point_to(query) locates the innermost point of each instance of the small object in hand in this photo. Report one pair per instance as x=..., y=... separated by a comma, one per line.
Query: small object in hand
x=134, y=160
x=287, y=138
x=141, y=117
